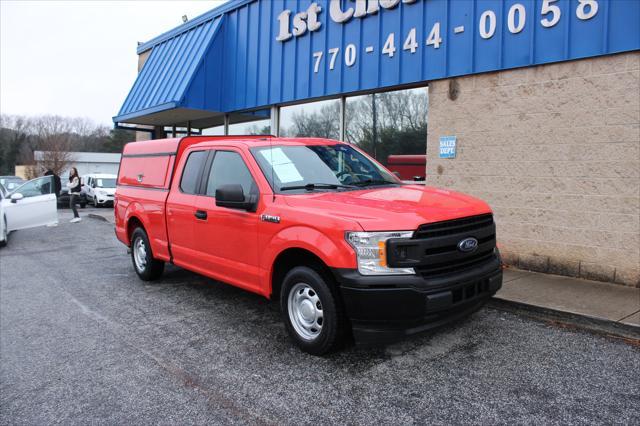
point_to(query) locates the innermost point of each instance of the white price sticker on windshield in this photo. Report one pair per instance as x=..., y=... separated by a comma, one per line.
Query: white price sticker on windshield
x=282, y=165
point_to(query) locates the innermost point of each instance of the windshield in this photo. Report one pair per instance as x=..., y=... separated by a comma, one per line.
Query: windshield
x=319, y=167
x=105, y=183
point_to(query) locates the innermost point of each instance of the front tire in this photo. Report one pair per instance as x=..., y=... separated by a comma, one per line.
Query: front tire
x=147, y=268
x=311, y=311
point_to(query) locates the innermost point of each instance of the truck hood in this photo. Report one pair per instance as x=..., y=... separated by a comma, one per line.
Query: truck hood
x=392, y=208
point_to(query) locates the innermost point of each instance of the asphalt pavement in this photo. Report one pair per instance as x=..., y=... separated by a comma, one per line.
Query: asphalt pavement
x=82, y=340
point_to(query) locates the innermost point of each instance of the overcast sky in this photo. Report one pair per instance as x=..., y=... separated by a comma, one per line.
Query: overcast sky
x=78, y=58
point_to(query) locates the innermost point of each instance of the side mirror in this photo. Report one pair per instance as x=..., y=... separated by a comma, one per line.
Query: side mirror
x=16, y=197
x=232, y=196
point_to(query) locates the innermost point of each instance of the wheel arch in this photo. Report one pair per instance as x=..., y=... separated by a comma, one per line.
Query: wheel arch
x=133, y=222
x=289, y=259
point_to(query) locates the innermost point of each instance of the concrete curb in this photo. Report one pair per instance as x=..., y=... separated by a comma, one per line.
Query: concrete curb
x=627, y=332
x=98, y=217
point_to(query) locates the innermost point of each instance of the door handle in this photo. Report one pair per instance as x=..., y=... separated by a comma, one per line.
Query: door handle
x=201, y=214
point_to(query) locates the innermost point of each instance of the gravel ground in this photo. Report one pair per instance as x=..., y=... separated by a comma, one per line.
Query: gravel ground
x=82, y=340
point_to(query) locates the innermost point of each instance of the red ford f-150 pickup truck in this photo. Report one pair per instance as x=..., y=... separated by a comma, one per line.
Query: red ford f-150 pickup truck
x=345, y=246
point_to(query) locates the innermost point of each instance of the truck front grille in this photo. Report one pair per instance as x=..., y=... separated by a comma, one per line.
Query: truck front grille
x=456, y=226
x=445, y=257
x=433, y=251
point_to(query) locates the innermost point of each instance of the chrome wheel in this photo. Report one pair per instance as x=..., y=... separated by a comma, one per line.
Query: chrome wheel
x=305, y=311
x=140, y=254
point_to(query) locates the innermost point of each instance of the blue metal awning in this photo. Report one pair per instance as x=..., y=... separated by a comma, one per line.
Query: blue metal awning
x=158, y=94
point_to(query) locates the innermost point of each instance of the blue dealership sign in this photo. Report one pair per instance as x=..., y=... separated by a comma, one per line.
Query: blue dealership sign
x=279, y=51
x=448, y=146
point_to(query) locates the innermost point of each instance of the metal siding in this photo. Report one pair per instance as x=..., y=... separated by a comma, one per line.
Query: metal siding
x=253, y=53
x=317, y=82
x=248, y=68
x=170, y=68
x=351, y=75
x=624, y=30
x=334, y=39
x=370, y=75
x=229, y=64
x=517, y=47
x=435, y=60
x=243, y=34
x=303, y=66
x=264, y=53
x=289, y=62
x=411, y=65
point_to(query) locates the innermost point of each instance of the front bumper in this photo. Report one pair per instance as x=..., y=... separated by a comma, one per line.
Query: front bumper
x=105, y=200
x=385, y=308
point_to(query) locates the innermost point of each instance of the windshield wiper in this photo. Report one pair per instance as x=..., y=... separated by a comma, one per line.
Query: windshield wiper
x=374, y=182
x=314, y=186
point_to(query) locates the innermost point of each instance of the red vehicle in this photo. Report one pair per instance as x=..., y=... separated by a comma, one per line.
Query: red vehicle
x=345, y=246
x=408, y=167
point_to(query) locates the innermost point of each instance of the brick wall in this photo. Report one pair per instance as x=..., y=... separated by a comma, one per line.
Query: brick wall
x=555, y=150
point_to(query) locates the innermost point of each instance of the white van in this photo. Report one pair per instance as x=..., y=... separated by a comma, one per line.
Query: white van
x=99, y=189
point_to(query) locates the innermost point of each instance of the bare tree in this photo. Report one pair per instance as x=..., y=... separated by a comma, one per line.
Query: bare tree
x=324, y=123
x=13, y=135
x=21, y=136
x=54, y=134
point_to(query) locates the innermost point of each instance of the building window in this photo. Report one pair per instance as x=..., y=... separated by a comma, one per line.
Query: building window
x=250, y=123
x=390, y=123
x=260, y=127
x=316, y=119
x=213, y=131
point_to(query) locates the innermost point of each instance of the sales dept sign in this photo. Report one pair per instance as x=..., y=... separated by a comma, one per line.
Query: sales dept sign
x=447, y=147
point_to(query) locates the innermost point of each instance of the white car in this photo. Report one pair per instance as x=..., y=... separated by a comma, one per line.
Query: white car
x=99, y=189
x=29, y=205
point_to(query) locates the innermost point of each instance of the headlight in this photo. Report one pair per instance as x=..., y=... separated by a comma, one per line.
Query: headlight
x=371, y=251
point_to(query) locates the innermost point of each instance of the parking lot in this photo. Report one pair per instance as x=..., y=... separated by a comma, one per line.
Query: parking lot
x=83, y=340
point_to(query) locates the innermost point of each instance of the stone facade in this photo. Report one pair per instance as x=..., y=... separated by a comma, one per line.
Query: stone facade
x=555, y=150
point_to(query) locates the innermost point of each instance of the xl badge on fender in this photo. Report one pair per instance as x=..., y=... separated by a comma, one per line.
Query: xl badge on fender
x=269, y=218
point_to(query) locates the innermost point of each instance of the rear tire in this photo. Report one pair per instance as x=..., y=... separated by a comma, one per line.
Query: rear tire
x=312, y=311
x=147, y=268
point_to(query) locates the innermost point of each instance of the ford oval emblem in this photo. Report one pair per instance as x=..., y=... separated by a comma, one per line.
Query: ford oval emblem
x=468, y=245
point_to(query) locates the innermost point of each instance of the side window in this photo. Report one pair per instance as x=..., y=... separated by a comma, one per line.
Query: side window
x=35, y=187
x=228, y=168
x=192, y=171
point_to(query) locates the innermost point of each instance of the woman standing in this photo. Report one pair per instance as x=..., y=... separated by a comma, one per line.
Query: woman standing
x=74, y=186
